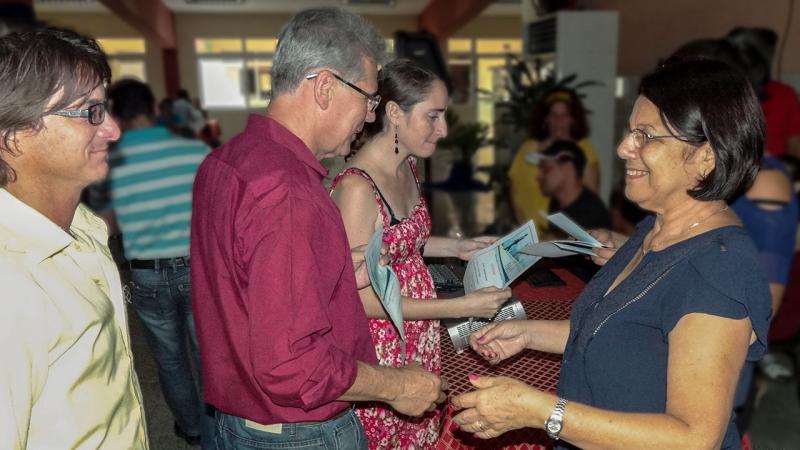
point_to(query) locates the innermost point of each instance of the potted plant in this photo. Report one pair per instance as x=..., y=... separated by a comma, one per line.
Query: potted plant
x=464, y=138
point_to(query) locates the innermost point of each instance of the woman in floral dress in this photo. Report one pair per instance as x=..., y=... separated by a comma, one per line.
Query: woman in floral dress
x=379, y=188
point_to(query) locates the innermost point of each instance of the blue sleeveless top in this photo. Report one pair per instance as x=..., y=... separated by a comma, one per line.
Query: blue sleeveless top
x=617, y=352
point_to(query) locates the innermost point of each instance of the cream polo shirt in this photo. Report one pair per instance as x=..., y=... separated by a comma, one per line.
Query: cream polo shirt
x=66, y=370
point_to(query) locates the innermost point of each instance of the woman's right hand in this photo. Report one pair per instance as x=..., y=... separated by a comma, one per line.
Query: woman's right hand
x=501, y=340
x=484, y=302
x=611, y=241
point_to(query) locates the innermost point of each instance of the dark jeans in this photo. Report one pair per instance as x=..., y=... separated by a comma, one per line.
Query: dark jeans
x=161, y=298
x=343, y=432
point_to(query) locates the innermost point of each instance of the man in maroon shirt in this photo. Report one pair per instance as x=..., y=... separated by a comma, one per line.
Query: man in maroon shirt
x=283, y=336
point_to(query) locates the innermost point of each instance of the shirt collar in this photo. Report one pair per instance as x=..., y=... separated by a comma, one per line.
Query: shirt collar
x=280, y=134
x=32, y=233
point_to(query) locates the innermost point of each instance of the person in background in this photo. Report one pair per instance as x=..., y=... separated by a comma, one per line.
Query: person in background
x=560, y=178
x=191, y=119
x=558, y=115
x=656, y=342
x=166, y=118
x=785, y=325
x=284, y=340
x=150, y=188
x=67, y=378
x=779, y=102
x=379, y=188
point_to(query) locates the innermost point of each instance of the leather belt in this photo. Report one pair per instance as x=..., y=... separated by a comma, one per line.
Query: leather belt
x=155, y=264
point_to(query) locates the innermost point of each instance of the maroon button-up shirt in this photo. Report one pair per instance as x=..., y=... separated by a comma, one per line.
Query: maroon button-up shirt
x=278, y=318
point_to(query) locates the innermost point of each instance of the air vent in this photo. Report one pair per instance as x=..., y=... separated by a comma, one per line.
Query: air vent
x=540, y=36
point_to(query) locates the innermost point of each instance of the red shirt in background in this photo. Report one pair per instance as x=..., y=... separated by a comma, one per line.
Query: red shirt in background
x=278, y=317
x=782, y=114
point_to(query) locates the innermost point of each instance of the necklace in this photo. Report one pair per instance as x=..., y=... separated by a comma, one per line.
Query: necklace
x=689, y=228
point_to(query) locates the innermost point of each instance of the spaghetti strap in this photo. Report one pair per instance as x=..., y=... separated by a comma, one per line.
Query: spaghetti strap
x=388, y=219
x=412, y=164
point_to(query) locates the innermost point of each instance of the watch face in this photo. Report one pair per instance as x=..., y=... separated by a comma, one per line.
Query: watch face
x=554, y=426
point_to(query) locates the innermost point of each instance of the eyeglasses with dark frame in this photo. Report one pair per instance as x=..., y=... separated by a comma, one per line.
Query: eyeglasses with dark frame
x=373, y=100
x=95, y=114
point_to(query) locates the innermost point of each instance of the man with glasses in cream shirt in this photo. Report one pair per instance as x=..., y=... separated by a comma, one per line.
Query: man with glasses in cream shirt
x=67, y=379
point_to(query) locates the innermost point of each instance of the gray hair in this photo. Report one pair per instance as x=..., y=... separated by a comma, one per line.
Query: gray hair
x=331, y=38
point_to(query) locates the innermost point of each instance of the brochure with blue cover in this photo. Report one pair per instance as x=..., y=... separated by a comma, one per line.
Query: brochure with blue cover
x=384, y=282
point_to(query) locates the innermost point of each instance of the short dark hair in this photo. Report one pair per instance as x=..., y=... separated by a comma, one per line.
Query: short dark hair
x=131, y=98
x=404, y=82
x=580, y=127
x=34, y=66
x=564, y=151
x=707, y=101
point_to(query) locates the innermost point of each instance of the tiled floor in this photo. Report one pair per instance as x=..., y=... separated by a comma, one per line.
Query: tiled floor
x=776, y=421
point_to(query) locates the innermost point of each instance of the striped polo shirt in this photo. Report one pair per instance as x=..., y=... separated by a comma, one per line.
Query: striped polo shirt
x=152, y=171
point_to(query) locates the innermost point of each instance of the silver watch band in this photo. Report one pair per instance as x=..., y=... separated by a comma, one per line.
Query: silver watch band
x=554, y=423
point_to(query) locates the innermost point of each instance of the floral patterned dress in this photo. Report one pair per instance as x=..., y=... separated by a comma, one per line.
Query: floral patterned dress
x=405, y=239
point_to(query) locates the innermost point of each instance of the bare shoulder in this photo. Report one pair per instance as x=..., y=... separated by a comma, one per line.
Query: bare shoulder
x=353, y=187
x=770, y=184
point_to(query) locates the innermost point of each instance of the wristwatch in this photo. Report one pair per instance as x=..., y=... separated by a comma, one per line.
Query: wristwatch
x=555, y=422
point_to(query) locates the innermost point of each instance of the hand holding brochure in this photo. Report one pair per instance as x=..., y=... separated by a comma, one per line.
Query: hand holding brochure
x=385, y=283
x=502, y=262
x=583, y=243
x=496, y=265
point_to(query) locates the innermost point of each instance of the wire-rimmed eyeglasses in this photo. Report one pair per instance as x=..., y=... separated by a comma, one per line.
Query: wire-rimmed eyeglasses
x=373, y=100
x=640, y=138
x=95, y=114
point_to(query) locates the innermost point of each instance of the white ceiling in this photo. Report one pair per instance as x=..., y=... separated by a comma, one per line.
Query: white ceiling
x=396, y=7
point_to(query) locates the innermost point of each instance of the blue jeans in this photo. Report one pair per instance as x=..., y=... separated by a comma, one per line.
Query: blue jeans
x=162, y=300
x=343, y=432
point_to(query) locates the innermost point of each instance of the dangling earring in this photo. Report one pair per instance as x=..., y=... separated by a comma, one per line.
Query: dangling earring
x=396, y=150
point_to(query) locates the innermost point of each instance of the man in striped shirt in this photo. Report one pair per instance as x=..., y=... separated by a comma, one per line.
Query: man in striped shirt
x=150, y=185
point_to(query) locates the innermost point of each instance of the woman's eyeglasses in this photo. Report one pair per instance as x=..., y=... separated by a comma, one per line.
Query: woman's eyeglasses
x=640, y=138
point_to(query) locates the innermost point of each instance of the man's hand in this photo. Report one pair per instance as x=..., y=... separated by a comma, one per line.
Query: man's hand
x=360, y=264
x=419, y=391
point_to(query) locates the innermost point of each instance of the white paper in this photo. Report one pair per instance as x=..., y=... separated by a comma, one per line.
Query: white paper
x=385, y=283
x=502, y=262
x=583, y=243
x=573, y=229
x=546, y=249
